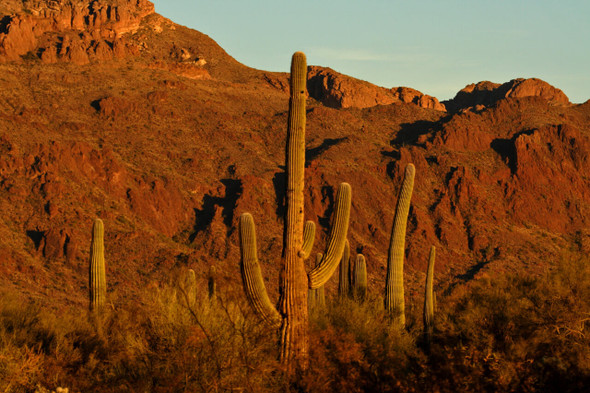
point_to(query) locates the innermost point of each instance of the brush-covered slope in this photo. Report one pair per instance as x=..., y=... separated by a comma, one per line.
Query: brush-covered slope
x=151, y=126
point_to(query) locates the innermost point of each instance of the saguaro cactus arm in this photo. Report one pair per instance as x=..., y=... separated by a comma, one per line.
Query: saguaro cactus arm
x=251, y=274
x=308, y=239
x=394, y=282
x=338, y=233
x=97, y=274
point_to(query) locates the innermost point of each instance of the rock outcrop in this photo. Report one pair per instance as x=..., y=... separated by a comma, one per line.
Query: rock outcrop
x=413, y=96
x=341, y=91
x=488, y=93
x=75, y=31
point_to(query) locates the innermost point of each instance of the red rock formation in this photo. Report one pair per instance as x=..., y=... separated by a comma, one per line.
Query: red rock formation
x=535, y=87
x=413, y=96
x=341, y=91
x=488, y=93
x=100, y=21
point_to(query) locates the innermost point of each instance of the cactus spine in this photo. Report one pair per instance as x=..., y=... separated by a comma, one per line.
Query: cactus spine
x=429, y=297
x=394, y=281
x=344, y=282
x=360, y=278
x=97, y=275
x=292, y=313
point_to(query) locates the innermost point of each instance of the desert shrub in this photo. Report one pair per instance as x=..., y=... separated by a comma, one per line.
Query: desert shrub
x=356, y=349
x=512, y=333
x=517, y=332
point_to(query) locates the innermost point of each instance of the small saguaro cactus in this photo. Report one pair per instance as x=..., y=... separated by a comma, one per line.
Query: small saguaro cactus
x=394, y=281
x=360, y=278
x=429, y=297
x=97, y=275
x=292, y=312
x=320, y=294
x=316, y=298
x=344, y=278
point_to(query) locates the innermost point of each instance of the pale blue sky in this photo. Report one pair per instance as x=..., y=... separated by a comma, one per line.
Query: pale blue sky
x=435, y=46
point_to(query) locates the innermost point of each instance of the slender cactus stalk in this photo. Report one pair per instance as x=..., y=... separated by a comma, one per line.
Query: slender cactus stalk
x=319, y=292
x=344, y=282
x=429, y=297
x=360, y=278
x=394, y=281
x=316, y=297
x=97, y=274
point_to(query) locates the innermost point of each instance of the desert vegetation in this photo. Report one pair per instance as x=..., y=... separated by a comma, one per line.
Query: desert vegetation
x=515, y=332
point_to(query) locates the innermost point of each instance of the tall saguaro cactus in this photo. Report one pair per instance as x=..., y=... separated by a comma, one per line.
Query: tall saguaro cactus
x=97, y=275
x=429, y=297
x=394, y=281
x=292, y=312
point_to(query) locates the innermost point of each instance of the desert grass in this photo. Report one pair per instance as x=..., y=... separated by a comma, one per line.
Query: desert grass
x=511, y=333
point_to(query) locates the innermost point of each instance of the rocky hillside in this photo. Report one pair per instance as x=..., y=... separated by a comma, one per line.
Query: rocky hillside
x=108, y=109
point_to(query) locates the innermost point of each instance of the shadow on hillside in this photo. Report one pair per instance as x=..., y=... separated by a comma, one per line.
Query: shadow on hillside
x=4, y=22
x=506, y=148
x=327, y=194
x=409, y=133
x=312, y=154
x=204, y=216
x=279, y=181
x=280, y=178
x=473, y=270
x=488, y=255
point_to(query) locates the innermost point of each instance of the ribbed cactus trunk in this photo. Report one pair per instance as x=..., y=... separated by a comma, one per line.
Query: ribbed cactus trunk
x=394, y=281
x=292, y=312
x=360, y=278
x=344, y=277
x=293, y=285
x=97, y=275
x=429, y=297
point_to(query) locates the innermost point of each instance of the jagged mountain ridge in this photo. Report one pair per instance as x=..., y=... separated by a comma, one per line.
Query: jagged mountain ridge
x=173, y=139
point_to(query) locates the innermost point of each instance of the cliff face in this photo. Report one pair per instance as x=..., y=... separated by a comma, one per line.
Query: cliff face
x=71, y=30
x=341, y=91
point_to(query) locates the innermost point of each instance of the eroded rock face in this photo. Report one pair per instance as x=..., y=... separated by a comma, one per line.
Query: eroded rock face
x=341, y=91
x=81, y=29
x=413, y=96
x=488, y=93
